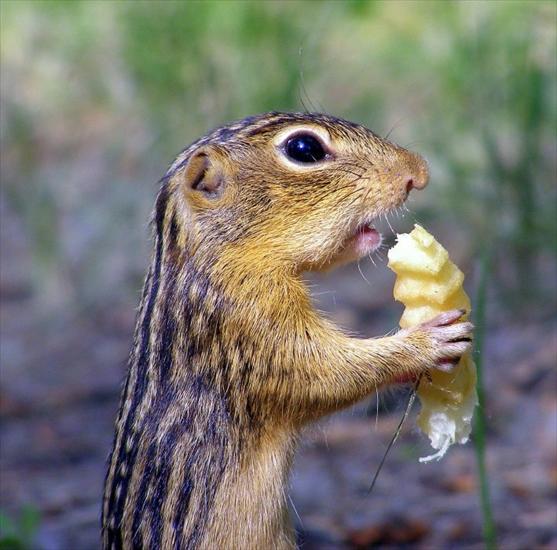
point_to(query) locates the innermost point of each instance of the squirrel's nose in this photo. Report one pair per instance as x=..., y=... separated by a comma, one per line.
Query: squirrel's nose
x=418, y=172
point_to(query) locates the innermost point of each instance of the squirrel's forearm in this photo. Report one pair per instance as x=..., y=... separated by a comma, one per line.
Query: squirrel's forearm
x=355, y=368
x=341, y=372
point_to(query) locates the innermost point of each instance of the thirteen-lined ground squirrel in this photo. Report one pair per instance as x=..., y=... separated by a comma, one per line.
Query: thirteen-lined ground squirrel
x=230, y=359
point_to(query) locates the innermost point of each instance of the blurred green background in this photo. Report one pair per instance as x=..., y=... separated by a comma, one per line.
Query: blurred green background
x=96, y=100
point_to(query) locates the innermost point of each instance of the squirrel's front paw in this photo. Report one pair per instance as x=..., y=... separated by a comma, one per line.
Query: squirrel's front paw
x=442, y=341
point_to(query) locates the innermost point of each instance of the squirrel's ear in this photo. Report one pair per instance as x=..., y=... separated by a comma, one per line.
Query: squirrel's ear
x=203, y=173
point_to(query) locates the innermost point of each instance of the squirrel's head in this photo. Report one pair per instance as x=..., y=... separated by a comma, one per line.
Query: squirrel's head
x=288, y=189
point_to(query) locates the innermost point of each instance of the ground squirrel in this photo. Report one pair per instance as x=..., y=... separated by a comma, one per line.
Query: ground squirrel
x=230, y=358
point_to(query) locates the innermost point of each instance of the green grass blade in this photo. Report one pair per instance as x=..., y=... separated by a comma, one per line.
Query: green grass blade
x=489, y=530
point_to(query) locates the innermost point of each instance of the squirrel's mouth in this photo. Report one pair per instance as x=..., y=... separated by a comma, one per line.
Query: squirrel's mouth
x=361, y=242
x=365, y=240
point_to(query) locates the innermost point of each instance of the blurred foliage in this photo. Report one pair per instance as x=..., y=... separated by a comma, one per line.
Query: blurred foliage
x=97, y=97
x=19, y=535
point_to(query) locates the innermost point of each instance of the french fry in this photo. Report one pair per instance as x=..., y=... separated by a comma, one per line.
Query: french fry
x=428, y=283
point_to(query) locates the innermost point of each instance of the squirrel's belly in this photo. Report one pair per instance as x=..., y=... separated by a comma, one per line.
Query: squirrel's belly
x=250, y=506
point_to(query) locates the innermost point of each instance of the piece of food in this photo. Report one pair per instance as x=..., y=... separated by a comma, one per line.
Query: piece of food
x=428, y=283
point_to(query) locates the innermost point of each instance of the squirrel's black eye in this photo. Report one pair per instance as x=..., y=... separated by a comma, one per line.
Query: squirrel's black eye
x=304, y=148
